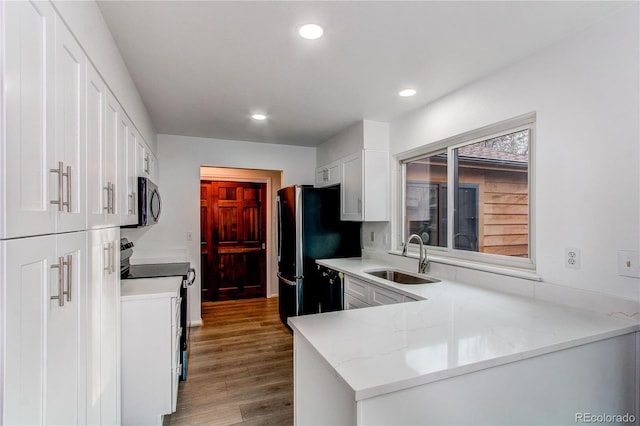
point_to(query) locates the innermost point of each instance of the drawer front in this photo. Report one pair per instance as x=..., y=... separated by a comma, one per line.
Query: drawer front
x=357, y=288
x=381, y=296
x=351, y=302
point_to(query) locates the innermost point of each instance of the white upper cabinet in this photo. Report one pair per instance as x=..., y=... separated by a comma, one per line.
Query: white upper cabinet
x=328, y=175
x=357, y=158
x=365, y=188
x=70, y=142
x=111, y=166
x=102, y=152
x=127, y=178
x=97, y=193
x=147, y=162
x=43, y=163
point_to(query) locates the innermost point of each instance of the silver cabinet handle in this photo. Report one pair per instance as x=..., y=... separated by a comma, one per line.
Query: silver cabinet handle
x=60, y=268
x=107, y=188
x=107, y=263
x=68, y=176
x=359, y=205
x=113, y=257
x=69, y=264
x=132, y=203
x=130, y=197
x=110, y=188
x=59, y=172
x=113, y=198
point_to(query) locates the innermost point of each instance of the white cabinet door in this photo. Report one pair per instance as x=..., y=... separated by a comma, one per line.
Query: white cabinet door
x=351, y=188
x=70, y=142
x=127, y=178
x=64, y=365
x=103, y=334
x=29, y=100
x=328, y=175
x=97, y=191
x=26, y=278
x=43, y=368
x=142, y=158
x=153, y=168
x=365, y=188
x=103, y=113
x=112, y=121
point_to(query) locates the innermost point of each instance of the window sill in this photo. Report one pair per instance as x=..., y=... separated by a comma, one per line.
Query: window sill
x=461, y=263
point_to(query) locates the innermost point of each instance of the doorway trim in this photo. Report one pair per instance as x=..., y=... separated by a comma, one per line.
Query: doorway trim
x=273, y=179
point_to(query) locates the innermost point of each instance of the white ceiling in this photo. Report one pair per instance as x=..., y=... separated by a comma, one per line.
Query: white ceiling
x=203, y=67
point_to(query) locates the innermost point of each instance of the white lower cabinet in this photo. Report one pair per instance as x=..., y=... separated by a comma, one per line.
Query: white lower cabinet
x=150, y=349
x=351, y=302
x=360, y=294
x=44, y=281
x=103, y=328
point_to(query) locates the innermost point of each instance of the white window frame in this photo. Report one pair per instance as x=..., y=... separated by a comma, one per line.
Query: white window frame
x=464, y=257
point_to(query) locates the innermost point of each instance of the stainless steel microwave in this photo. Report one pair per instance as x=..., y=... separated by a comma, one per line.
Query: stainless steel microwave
x=149, y=202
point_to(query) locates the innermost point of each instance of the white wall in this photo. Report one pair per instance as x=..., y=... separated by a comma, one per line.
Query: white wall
x=90, y=29
x=585, y=91
x=179, y=183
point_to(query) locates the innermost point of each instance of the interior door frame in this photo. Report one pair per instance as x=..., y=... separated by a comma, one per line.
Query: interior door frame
x=223, y=174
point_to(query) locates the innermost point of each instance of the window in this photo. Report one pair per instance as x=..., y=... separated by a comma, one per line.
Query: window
x=469, y=196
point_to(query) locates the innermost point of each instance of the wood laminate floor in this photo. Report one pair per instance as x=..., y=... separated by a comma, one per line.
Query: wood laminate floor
x=240, y=367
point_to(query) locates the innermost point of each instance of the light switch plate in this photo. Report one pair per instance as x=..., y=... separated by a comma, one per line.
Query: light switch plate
x=629, y=263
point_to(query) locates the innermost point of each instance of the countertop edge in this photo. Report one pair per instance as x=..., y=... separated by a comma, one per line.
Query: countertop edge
x=387, y=388
x=393, y=386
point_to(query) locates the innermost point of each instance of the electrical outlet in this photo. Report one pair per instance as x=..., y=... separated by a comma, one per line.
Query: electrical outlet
x=572, y=258
x=629, y=263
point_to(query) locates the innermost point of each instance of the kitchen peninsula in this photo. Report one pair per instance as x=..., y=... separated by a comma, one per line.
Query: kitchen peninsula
x=464, y=355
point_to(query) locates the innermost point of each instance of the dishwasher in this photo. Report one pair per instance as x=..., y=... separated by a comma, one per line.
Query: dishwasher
x=331, y=288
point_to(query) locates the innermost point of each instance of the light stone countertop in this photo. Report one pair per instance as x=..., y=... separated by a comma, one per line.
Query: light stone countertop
x=149, y=288
x=458, y=329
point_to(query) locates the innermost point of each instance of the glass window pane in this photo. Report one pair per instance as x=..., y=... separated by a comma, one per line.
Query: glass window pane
x=492, y=196
x=426, y=199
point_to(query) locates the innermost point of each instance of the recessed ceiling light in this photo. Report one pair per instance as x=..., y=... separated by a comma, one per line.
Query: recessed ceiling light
x=311, y=31
x=407, y=92
x=259, y=117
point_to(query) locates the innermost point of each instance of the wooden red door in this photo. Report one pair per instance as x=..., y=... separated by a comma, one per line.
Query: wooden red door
x=235, y=240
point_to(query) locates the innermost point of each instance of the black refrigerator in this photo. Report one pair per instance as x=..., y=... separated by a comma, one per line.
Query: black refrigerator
x=309, y=228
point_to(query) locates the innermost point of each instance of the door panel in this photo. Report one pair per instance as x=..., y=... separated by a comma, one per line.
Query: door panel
x=69, y=128
x=29, y=109
x=233, y=240
x=206, y=235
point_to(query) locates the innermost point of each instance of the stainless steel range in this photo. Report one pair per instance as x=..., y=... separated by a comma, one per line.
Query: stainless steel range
x=156, y=270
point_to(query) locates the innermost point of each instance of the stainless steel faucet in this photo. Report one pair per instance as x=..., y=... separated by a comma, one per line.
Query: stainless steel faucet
x=423, y=262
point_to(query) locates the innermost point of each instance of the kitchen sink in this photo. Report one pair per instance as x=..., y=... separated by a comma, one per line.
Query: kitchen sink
x=401, y=277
